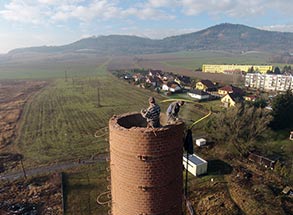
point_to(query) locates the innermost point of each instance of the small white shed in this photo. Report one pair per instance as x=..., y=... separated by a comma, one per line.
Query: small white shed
x=196, y=165
x=200, y=141
x=198, y=94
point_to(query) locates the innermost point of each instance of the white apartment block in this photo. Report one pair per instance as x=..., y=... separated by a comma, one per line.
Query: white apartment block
x=269, y=82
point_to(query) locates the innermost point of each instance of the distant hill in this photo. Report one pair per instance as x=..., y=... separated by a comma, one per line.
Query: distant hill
x=225, y=37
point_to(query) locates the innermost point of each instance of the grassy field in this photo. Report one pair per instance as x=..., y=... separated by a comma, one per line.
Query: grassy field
x=52, y=68
x=60, y=123
x=194, y=60
x=82, y=189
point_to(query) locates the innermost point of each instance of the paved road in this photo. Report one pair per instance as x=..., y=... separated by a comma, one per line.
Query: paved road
x=52, y=168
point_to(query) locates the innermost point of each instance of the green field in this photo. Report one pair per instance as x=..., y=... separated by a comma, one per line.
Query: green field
x=194, y=60
x=60, y=122
x=52, y=69
x=82, y=189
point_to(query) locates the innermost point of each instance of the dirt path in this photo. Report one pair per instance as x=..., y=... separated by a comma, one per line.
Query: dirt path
x=52, y=168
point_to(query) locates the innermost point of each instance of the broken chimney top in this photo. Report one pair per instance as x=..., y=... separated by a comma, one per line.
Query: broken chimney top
x=137, y=121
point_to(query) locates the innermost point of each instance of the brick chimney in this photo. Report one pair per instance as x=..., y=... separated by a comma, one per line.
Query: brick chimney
x=146, y=167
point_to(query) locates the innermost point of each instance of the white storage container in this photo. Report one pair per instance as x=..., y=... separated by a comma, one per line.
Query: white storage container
x=200, y=142
x=196, y=165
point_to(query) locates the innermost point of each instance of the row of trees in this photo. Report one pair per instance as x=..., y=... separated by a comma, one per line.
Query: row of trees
x=286, y=70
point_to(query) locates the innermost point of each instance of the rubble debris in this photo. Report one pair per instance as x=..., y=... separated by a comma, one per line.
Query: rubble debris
x=40, y=195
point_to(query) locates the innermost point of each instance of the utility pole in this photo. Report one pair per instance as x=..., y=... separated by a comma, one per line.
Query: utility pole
x=23, y=170
x=98, y=93
x=65, y=74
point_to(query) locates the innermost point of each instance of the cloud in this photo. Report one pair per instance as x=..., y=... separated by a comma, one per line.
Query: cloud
x=232, y=8
x=59, y=2
x=162, y=3
x=48, y=1
x=58, y=11
x=97, y=9
x=282, y=6
x=20, y=11
x=147, y=13
x=40, y=11
x=282, y=28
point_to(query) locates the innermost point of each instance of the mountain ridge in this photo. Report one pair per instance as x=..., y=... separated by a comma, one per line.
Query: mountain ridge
x=225, y=37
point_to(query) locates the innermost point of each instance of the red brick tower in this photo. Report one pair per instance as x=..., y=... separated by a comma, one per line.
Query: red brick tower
x=146, y=167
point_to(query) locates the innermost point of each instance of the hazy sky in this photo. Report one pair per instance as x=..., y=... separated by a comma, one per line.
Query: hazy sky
x=55, y=22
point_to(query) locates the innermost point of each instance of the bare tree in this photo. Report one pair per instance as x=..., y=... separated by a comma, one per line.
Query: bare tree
x=240, y=126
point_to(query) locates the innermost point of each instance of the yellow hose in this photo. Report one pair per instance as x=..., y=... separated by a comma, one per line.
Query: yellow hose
x=98, y=198
x=172, y=100
x=103, y=130
x=199, y=120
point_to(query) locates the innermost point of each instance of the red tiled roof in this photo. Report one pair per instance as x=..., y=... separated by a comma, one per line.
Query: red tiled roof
x=231, y=88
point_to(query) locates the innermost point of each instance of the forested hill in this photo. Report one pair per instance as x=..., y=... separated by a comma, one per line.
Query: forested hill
x=226, y=37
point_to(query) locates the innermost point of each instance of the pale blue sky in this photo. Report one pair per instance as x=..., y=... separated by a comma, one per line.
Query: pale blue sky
x=26, y=23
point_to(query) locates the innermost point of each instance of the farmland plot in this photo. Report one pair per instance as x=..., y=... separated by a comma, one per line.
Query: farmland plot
x=59, y=124
x=13, y=96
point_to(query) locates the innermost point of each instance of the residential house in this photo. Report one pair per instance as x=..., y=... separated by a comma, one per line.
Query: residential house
x=206, y=85
x=230, y=89
x=127, y=76
x=172, y=87
x=183, y=80
x=154, y=81
x=198, y=94
x=177, y=80
x=168, y=77
x=138, y=77
x=156, y=73
x=231, y=99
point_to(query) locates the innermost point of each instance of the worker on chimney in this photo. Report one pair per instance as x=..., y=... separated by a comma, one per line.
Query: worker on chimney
x=152, y=113
x=173, y=110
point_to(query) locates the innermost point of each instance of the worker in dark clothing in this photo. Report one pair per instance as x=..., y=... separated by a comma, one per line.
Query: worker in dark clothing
x=173, y=110
x=152, y=113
